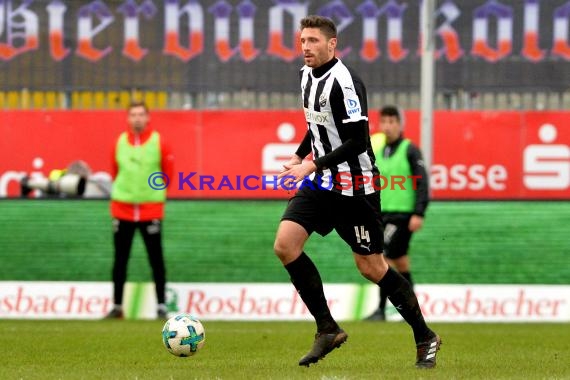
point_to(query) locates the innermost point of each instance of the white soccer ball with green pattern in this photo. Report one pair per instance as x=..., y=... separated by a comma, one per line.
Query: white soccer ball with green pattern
x=183, y=335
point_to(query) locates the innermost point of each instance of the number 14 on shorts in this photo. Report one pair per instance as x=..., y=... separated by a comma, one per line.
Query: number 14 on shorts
x=361, y=234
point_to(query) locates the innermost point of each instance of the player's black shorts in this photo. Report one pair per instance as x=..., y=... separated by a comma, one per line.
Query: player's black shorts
x=356, y=219
x=397, y=234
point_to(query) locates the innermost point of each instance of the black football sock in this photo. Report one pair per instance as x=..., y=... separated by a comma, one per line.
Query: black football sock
x=404, y=300
x=307, y=280
x=383, y=298
x=408, y=276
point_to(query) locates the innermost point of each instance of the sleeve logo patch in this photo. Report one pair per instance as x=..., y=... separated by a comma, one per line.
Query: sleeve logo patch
x=352, y=106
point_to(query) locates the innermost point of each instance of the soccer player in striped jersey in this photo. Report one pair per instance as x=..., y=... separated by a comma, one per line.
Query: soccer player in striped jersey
x=339, y=189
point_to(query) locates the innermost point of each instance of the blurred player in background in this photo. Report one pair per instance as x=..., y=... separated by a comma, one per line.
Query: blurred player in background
x=403, y=209
x=336, y=111
x=139, y=152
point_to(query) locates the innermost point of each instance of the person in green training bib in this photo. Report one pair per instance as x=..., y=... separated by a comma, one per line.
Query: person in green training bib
x=140, y=154
x=403, y=207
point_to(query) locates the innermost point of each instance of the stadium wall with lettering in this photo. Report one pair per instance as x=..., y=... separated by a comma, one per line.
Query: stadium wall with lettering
x=211, y=45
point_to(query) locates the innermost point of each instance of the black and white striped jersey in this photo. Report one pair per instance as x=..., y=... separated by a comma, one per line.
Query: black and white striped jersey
x=336, y=111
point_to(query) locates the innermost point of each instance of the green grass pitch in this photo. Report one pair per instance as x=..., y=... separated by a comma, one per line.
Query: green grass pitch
x=270, y=350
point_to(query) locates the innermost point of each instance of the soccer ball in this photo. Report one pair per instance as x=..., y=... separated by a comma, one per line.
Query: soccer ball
x=183, y=335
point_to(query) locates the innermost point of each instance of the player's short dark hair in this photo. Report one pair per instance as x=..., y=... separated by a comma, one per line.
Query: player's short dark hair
x=391, y=111
x=324, y=24
x=137, y=104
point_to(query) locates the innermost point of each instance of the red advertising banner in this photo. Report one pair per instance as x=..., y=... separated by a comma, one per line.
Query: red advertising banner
x=237, y=154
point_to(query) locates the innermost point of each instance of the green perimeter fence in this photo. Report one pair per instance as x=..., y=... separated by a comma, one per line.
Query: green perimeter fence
x=231, y=241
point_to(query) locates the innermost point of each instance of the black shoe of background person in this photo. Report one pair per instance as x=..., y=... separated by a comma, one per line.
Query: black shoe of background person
x=115, y=313
x=324, y=343
x=378, y=316
x=161, y=314
x=427, y=352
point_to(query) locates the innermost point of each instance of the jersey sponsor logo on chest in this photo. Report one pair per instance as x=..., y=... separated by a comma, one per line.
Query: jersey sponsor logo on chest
x=317, y=117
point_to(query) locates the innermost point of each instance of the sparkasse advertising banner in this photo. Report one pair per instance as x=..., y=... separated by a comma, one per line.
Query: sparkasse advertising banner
x=238, y=154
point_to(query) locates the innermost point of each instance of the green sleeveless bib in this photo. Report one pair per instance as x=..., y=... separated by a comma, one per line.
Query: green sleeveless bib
x=136, y=164
x=393, y=168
